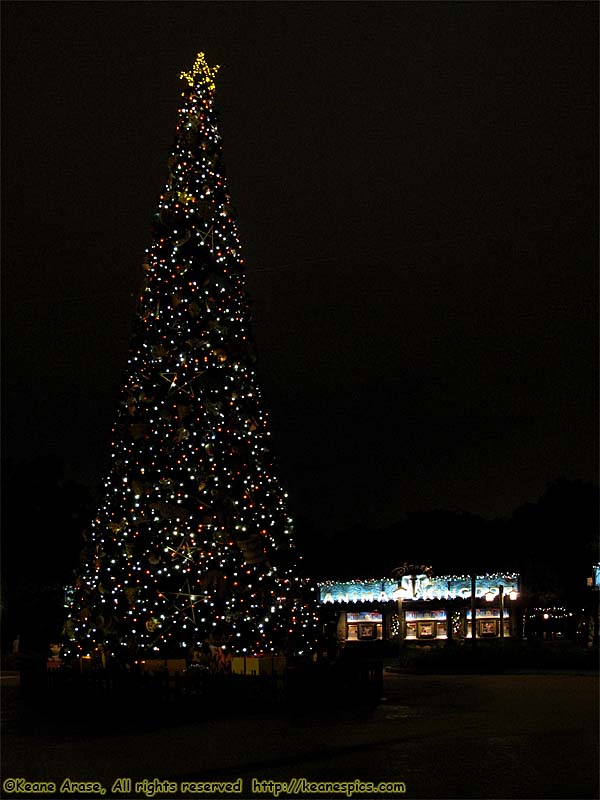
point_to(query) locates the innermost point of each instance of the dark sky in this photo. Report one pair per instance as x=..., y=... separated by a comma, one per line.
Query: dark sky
x=416, y=187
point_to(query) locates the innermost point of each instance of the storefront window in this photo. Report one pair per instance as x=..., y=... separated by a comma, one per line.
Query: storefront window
x=426, y=630
x=364, y=625
x=488, y=627
x=426, y=624
x=411, y=630
x=488, y=622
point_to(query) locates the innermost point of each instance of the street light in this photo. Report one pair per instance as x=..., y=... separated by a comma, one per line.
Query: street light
x=512, y=595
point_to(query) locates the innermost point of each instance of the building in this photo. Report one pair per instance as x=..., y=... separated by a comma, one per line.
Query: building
x=421, y=608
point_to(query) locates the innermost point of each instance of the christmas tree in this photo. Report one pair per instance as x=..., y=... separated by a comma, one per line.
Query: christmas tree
x=193, y=541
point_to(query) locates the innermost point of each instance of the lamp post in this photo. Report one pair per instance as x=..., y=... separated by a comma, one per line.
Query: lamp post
x=515, y=615
x=490, y=596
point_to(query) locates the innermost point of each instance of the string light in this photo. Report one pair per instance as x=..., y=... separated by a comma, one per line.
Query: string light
x=192, y=541
x=201, y=74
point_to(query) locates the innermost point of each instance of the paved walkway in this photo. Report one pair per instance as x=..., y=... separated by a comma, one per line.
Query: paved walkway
x=446, y=737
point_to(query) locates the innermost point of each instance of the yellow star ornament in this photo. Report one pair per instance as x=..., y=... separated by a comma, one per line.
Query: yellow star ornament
x=201, y=74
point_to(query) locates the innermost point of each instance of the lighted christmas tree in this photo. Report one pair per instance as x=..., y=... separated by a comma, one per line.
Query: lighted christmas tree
x=193, y=541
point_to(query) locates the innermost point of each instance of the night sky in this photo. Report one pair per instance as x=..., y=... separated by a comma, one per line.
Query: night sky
x=416, y=190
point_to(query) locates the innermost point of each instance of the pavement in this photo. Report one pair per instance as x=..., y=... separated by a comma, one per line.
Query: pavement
x=448, y=737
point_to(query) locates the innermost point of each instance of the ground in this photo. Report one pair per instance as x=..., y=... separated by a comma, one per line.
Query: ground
x=445, y=736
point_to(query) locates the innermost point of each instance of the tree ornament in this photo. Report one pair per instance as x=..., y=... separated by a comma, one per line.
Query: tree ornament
x=139, y=430
x=201, y=75
x=252, y=549
x=213, y=408
x=183, y=411
x=137, y=487
x=131, y=593
x=204, y=209
x=182, y=434
x=179, y=243
x=160, y=351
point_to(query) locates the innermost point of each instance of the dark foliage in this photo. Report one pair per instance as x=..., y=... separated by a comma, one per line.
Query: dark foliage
x=43, y=516
x=552, y=542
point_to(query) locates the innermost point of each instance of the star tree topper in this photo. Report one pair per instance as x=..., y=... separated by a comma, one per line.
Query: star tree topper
x=201, y=74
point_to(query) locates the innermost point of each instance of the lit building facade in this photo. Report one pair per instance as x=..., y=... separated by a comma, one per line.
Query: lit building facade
x=423, y=608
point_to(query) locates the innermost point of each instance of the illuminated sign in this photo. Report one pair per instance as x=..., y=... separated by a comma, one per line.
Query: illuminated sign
x=435, y=613
x=416, y=587
x=357, y=591
x=482, y=613
x=364, y=616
